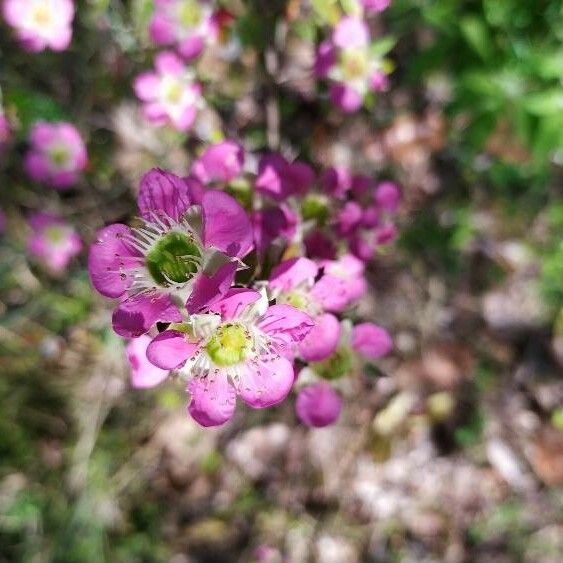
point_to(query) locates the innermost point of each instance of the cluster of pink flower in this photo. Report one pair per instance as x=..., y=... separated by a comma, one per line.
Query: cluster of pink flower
x=350, y=61
x=170, y=93
x=227, y=298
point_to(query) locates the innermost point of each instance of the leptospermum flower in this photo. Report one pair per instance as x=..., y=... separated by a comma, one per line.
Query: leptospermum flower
x=170, y=92
x=57, y=155
x=40, y=24
x=239, y=346
x=346, y=60
x=294, y=282
x=180, y=254
x=220, y=163
x=186, y=24
x=53, y=242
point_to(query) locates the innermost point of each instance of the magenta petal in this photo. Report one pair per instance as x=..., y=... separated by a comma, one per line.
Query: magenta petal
x=170, y=349
x=136, y=315
x=323, y=339
x=236, y=300
x=371, y=340
x=345, y=98
x=209, y=289
x=331, y=292
x=213, y=399
x=290, y=273
x=226, y=225
x=285, y=324
x=387, y=196
x=267, y=383
x=109, y=258
x=143, y=373
x=163, y=193
x=191, y=47
x=221, y=162
x=318, y=405
x=325, y=59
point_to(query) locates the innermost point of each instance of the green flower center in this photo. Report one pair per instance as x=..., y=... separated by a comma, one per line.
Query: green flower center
x=298, y=299
x=189, y=14
x=173, y=90
x=230, y=345
x=59, y=156
x=341, y=363
x=315, y=207
x=354, y=64
x=54, y=234
x=173, y=259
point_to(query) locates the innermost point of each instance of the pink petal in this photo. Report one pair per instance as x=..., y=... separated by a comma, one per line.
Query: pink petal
x=221, y=162
x=388, y=196
x=234, y=302
x=350, y=32
x=213, y=399
x=207, y=290
x=170, y=349
x=167, y=62
x=371, y=341
x=323, y=339
x=267, y=383
x=143, y=373
x=146, y=86
x=285, y=324
x=191, y=47
x=325, y=59
x=163, y=193
x=226, y=225
x=336, y=181
x=318, y=405
x=345, y=98
x=161, y=30
x=136, y=315
x=330, y=291
x=291, y=273
x=109, y=259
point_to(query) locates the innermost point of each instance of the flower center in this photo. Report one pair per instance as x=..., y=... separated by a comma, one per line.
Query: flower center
x=175, y=258
x=172, y=90
x=60, y=156
x=338, y=365
x=54, y=234
x=189, y=14
x=354, y=64
x=230, y=345
x=42, y=16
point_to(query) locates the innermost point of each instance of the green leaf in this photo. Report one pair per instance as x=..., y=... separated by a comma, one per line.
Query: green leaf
x=327, y=10
x=477, y=35
x=32, y=107
x=545, y=103
x=380, y=48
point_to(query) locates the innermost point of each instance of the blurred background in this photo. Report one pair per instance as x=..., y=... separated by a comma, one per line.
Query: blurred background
x=451, y=451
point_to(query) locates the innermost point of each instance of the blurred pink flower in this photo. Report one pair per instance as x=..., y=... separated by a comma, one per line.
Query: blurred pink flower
x=280, y=179
x=318, y=405
x=40, y=24
x=186, y=24
x=375, y=6
x=170, y=93
x=240, y=346
x=388, y=196
x=346, y=61
x=53, y=242
x=221, y=162
x=57, y=154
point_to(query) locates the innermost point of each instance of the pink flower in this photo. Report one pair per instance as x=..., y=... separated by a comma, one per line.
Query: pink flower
x=57, y=155
x=318, y=405
x=40, y=24
x=143, y=373
x=293, y=282
x=347, y=62
x=221, y=163
x=187, y=24
x=351, y=270
x=280, y=179
x=53, y=242
x=170, y=93
x=375, y=6
x=238, y=347
x=336, y=181
x=371, y=341
x=388, y=196
x=181, y=252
